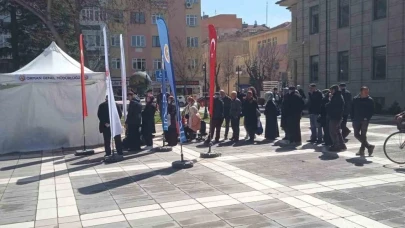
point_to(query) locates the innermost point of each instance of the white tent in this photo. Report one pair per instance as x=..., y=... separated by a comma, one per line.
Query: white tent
x=41, y=104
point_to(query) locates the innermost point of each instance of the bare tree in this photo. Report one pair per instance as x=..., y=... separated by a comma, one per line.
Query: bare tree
x=187, y=61
x=263, y=64
x=226, y=58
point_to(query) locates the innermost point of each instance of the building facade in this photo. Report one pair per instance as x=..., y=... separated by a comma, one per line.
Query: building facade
x=359, y=42
x=224, y=23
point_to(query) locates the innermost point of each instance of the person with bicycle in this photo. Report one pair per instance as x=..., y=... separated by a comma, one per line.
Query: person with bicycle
x=361, y=112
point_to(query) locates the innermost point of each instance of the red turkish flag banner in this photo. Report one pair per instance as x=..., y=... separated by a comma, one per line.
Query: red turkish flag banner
x=84, y=103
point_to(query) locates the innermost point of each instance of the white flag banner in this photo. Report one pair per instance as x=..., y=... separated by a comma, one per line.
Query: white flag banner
x=123, y=79
x=115, y=123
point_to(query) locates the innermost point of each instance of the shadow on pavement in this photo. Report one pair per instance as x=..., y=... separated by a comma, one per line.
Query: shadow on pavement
x=358, y=161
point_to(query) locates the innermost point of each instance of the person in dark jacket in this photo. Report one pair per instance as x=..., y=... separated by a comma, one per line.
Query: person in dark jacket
x=294, y=105
x=283, y=124
x=335, y=109
x=324, y=119
x=361, y=112
x=217, y=119
x=347, y=96
x=314, y=109
x=227, y=109
x=249, y=111
x=271, y=113
x=133, y=122
x=171, y=134
x=104, y=128
x=148, y=122
x=235, y=111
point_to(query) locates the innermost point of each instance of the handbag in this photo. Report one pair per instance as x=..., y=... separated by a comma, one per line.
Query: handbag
x=259, y=130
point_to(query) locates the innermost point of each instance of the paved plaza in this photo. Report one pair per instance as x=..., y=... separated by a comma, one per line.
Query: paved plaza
x=253, y=186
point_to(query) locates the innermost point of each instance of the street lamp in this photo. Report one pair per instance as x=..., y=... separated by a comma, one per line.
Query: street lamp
x=205, y=91
x=238, y=71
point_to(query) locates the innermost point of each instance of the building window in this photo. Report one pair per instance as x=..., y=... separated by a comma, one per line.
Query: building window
x=380, y=9
x=314, y=19
x=116, y=63
x=115, y=40
x=117, y=16
x=4, y=38
x=343, y=64
x=379, y=63
x=191, y=20
x=192, y=41
x=274, y=40
x=138, y=18
x=93, y=39
x=92, y=14
x=157, y=64
x=344, y=13
x=155, y=41
x=138, y=41
x=192, y=64
x=314, y=68
x=155, y=16
x=139, y=64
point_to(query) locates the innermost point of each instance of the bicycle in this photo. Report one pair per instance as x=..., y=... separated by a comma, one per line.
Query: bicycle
x=394, y=145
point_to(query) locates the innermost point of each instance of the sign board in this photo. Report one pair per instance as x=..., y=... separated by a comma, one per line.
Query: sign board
x=158, y=75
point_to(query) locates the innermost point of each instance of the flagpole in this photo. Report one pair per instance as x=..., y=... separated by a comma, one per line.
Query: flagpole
x=123, y=78
x=84, y=103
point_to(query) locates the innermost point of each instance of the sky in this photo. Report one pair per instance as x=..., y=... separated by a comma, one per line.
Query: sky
x=249, y=10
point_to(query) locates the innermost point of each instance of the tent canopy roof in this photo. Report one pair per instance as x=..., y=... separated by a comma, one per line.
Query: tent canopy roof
x=53, y=60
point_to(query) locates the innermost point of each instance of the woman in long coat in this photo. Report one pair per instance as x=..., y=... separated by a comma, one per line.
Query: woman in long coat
x=249, y=111
x=171, y=135
x=271, y=113
x=148, y=122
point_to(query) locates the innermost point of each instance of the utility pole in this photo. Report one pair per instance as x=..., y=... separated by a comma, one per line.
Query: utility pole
x=205, y=91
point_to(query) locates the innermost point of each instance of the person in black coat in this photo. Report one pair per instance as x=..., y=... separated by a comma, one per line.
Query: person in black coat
x=361, y=112
x=314, y=109
x=227, y=111
x=171, y=135
x=271, y=113
x=249, y=111
x=335, y=109
x=324, y=120
x=103, y=114
x=294, y=105
x=347, y=97
x=217, y=119
x=133, y=122
x=148, y=122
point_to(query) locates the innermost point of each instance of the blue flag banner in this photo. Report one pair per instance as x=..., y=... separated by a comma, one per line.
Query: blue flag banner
x=167, y=57
x=164, y=101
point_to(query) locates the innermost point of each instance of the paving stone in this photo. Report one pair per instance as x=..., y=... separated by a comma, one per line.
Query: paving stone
x=194, y=217
x=71, y=225
x=334, y=196
x=383, y=199
x=298, y=220
x=251, y=220
x=46, y=222
x=315, y=224
x=145, y=222
x=395, y=222
x=286, y=214
x=385, y=215
x=361, y=206
x=269, y=206
x=233, y=211
x=115, y=225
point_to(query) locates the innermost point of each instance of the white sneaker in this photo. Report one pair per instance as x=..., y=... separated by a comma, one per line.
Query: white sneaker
x=246, y=137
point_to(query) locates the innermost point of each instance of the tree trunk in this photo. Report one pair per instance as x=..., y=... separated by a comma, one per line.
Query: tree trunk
x=14, y=38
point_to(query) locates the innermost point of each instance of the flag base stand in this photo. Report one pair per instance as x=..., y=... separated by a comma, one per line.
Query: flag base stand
x=163, y=148
x=210, y=154
x=182, y=164
x=84, y=152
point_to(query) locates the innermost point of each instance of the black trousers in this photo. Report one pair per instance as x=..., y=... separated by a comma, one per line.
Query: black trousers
x=227, y=121
x=335, y=132
x=216, y=125
x=235, y=122
x=107, y=142
x=293, y=129
x=134, y=137
x=326, y=134
x=189, y=133
x=343, y=126
x=148, y=139
x=360, y=132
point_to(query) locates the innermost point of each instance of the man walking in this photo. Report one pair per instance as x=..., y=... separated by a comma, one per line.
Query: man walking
x=347, y=96
x=133, y=122
x=217, y=118
x=361, y=113
x=103, y=114
x=227, y=109
x=335, y=109
x=234, y=113
x=314, y=109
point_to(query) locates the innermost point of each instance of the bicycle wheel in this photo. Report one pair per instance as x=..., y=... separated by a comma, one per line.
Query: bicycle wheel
x=394, y=147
